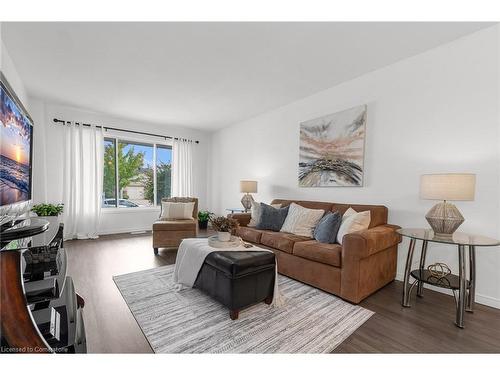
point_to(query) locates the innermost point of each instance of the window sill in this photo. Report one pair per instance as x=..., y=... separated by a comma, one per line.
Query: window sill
x=114, y=210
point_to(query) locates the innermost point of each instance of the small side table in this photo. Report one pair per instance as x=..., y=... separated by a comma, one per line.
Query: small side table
x=233, y=210
x=465, y=286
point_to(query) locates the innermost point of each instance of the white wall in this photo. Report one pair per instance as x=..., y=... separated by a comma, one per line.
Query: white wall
x=49, y=185
x=9, y=70
x=434, y=112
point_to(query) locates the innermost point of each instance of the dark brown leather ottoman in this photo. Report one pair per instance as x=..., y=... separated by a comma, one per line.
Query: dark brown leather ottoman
x=238, y=279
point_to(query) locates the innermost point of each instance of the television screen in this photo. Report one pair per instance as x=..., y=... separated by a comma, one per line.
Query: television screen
x=16, y=130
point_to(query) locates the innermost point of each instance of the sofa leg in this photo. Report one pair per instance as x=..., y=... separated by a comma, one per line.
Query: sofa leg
x=155, y=250
x=268, y=300
x=234, y=314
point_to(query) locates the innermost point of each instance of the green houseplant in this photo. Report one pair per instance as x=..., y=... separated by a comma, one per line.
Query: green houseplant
x=224, y=226
x=47, y=209
x=203, y=217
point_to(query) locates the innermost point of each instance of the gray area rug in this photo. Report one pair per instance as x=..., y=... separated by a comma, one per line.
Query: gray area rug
x=189, y=321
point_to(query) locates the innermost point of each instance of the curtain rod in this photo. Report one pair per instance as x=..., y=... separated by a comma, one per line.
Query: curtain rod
x=122, y=130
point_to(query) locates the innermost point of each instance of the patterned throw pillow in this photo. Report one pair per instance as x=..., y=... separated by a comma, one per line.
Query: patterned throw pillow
x=176, y=210
x=353, y=221
x=255, y=213
x=271, y=218
x=328, y=227
x=301, y=221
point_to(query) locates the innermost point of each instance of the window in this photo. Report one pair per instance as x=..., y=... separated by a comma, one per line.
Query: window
x=139, y=174
x=109, y=178
x=163, y=172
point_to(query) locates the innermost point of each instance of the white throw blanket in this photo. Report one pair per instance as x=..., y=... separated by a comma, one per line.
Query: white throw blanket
x=191, y=255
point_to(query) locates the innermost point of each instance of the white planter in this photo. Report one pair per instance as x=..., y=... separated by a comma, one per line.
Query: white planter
x=224, y=236
x=53, y=220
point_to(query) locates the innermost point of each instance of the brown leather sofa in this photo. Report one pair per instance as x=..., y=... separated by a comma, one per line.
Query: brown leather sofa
x=362, y=265
x=170, y=233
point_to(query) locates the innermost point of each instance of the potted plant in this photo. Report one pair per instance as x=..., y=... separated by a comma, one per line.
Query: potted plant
x=224, y=226
x=49, y=212
x=203, y=217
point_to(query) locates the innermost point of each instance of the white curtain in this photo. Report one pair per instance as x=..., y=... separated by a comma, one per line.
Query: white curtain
x=182, y=168
x=82, y=180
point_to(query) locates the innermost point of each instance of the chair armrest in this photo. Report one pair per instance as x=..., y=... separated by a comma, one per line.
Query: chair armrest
x=242, y=218
x=367, y=242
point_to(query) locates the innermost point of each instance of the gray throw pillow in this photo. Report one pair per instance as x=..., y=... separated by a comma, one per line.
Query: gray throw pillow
x=271, y=218
x=328, y=227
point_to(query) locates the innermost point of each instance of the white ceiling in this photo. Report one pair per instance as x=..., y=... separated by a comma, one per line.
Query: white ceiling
x=206, y=75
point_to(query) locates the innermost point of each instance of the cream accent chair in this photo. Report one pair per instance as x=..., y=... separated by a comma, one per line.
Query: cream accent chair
x=170, y=233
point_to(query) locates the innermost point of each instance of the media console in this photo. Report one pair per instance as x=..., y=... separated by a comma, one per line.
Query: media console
x=39, y=307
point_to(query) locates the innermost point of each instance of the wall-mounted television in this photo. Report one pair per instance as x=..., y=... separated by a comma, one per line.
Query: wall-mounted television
x=16, y=147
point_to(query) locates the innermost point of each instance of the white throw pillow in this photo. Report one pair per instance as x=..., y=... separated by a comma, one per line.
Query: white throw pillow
x=255, y=213
x=353, y=221
x=176, y=210
x=301, y=221
x=350, y=211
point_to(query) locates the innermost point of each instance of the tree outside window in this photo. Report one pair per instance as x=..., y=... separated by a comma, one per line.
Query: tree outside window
x=136, y=171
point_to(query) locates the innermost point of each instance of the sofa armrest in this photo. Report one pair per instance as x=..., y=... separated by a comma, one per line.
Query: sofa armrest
x=367, y=242
x=369, y=260
x=243, y=218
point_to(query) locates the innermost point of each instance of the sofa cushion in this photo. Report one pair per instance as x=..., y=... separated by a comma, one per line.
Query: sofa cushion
x=319, y=252
x=353, y=221
x=171, y=225
x=328, y=227
x=281, y=241
x=378, y=214
x=271, y=218
x=256, y=212
x=302, y=221
x=249, y=234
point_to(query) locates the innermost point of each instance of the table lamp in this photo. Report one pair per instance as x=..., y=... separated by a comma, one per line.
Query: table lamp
x=247, y=187
x=444, y=218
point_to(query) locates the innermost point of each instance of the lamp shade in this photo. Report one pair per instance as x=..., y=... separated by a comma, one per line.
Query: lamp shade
x=448, y=186
x=248, y=186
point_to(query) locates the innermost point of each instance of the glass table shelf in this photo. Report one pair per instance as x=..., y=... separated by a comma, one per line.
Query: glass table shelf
x=449, y=281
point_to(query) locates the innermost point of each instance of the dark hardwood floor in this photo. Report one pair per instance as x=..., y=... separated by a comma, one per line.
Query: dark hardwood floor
x=426, y=327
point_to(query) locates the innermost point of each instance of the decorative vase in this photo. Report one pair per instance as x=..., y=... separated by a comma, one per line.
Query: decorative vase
x=224, y=236
x=202, y=224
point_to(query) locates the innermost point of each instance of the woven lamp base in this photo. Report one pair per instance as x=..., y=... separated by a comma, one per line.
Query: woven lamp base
x=246, y=201
x=444, y=218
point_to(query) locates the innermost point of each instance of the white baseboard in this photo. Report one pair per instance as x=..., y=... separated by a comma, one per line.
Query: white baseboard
x=480, y=298
x=126, y=230
x=488, y=301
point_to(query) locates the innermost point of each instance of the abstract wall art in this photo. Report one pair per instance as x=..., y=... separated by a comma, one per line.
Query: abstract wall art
x=332, y=149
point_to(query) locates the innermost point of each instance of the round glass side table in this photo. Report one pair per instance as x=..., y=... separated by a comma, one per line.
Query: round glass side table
x=464, y=284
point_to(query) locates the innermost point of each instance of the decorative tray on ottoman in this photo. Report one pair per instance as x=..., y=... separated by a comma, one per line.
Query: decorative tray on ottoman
x=213, y=241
